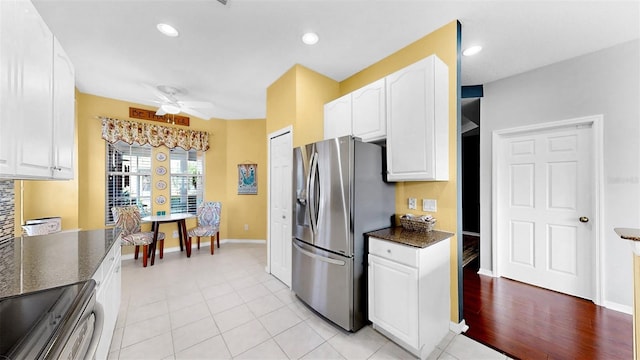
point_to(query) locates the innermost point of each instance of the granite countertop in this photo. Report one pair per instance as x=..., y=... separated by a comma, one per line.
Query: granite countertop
x=33, y=263
x=628, y=234
x=409, y=237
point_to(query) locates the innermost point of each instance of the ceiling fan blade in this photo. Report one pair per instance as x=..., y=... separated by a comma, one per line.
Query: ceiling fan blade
x=195, y=113
x=196, y=104
x=160, y=112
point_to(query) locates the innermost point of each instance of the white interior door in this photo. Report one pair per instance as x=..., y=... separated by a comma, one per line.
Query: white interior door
x=546, y=195
x=280, y=161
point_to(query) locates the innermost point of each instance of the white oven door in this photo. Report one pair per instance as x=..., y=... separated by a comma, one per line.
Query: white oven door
x=83, y=341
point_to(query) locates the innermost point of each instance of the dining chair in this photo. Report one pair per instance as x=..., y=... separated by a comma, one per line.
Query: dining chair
x=127, y=220
x=208, y=214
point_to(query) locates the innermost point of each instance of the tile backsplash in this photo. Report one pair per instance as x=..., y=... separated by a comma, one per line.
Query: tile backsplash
x=7, y=210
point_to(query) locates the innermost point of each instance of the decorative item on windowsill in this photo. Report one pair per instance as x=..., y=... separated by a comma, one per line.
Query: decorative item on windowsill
x=423, y=223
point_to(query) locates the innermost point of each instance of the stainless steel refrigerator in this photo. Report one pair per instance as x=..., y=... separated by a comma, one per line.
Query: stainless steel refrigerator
x=339, y=194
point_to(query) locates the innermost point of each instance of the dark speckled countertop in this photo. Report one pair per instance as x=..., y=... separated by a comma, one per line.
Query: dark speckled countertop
x=412, y=238
x=34, y=263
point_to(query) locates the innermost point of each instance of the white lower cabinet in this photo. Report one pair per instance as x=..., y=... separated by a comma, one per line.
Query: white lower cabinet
x=409, y=293
x=109, y=283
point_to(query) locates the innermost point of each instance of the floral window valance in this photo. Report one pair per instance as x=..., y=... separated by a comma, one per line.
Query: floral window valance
x=114, y=130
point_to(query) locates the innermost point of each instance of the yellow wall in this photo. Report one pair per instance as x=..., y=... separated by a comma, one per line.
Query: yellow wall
x=246, y=144
x=281, y=102
x=296, y=99
x=313, y=90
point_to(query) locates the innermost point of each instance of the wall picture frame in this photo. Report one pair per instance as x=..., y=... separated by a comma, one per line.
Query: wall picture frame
x=247, y=179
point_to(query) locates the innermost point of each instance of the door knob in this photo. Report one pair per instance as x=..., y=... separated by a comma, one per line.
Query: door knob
x=584, y=219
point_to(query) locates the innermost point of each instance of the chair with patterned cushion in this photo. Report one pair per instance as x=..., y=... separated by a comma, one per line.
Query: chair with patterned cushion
x=127, y=220
x=208, y=223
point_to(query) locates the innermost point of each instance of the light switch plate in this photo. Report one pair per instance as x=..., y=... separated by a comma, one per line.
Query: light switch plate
x=429, y=205
x=412, y=203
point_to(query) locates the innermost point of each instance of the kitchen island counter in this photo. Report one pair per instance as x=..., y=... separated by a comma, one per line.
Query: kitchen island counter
x=32, y=263
x=403, y=236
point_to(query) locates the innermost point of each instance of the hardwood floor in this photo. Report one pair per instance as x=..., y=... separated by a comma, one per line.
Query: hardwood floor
x=527, y=322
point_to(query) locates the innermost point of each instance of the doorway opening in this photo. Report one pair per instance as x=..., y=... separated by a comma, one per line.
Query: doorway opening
x=470, y=138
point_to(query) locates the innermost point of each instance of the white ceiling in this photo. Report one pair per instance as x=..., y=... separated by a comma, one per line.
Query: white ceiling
x=229, y=55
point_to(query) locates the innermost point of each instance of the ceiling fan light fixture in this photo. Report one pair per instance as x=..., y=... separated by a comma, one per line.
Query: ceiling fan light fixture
x=472, y=50
x=168, y=30
x=310, y=38
x=170, y=108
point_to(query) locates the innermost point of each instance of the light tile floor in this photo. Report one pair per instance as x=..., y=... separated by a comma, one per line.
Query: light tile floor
x=226, y=307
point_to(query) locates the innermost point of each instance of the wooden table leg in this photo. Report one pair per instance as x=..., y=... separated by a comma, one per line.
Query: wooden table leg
x=180, y=235
x=155, y=227
x=185, y=236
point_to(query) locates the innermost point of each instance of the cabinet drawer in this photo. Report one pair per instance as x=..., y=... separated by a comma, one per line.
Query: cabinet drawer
x=403, y=254
x=112, y=257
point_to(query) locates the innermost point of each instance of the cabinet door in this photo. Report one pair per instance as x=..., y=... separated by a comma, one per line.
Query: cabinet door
x=337, y=117
x=34, y=120
x=8, y=84
x=369, y=116
x=63, y=113
x=393, y=298
x=417, y=122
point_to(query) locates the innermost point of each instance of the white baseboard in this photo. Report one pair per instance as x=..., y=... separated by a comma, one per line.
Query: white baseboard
x=619, y=307
x=223, y=241
x=243, y=241
x=486, y=272
x=459, y=327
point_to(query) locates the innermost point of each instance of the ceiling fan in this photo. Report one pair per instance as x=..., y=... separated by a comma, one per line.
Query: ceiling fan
x=170, y=104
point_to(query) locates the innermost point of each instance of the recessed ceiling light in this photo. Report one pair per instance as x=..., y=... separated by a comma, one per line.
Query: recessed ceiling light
x=167, y=30
x=472, y=50
x=310, y=38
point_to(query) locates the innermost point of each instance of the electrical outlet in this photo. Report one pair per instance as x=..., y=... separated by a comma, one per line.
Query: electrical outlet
x=246, y=227
x=412, y=203
x=175, y=234
x=429, y=205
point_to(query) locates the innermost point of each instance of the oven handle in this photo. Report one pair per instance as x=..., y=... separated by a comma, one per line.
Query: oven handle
x=98, y=311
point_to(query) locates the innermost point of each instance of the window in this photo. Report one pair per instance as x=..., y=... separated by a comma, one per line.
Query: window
x=187, y=188
x=128, y=170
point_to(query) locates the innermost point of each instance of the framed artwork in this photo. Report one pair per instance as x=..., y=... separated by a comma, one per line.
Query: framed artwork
x=247, y=179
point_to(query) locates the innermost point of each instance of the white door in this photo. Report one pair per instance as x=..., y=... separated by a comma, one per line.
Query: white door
x=545, y=186
x=280, y=160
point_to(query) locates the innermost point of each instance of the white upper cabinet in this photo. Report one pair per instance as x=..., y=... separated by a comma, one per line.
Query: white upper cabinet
x=418, y=122
x=360, y=113
x=8, y=85
x=63, y=113
x=368, y=119
x=337, y=117
x=34, y=98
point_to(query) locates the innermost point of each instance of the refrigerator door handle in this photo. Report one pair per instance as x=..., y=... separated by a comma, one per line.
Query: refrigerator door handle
x=311, y=192
x=318, y=257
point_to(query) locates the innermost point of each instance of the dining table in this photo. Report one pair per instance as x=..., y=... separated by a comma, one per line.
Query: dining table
x=180, y=220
